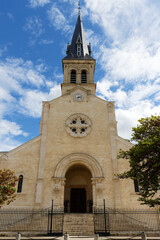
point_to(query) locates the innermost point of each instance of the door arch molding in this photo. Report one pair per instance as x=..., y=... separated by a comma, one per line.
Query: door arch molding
x=78, y=158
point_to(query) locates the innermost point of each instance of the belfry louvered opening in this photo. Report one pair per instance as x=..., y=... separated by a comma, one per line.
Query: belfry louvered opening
x=84, y=76
x=73, y=76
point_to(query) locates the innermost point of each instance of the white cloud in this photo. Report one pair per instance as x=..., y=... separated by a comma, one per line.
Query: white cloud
x=142, y=92
x=8, y=143
x=132, y=104
x=35, y=27
x=38, y=3
x=2, y=50
x=7, y=127
x=132, y=28
x=96, y=40
x=4, y=95
x=23, y=87
x=8, y=130
x=58, y=20
x=26, y=81
x=16, y=76
x=31, y=102
x=132, y=61
x=122, y=19
x=128, y=118
x=15, y=71
x=46, y=42
x=10, y=15
x=103, y=86
x=129, y=56
x=128, y=97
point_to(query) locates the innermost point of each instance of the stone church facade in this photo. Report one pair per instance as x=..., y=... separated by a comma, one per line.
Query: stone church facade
x=73, y=161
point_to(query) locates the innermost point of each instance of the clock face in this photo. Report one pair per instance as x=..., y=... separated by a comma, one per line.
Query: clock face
x=78, y=97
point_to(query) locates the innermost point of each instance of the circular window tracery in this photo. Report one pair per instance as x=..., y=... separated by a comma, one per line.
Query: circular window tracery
x=78, y=125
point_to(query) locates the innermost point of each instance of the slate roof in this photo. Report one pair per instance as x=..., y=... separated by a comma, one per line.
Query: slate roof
x=72, y=49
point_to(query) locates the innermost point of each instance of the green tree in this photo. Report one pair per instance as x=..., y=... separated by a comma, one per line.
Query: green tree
x=144, y=159
x=7, y=186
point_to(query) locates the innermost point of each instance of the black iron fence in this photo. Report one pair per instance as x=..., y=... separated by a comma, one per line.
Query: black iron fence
x=111, y=221
x=55, y=221
x=43, y=221
x=106, y=221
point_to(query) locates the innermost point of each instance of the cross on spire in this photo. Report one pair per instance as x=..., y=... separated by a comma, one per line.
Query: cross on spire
x=79, y=8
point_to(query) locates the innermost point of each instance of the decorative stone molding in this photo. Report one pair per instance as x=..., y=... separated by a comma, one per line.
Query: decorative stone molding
x=110, y=106
x=78, y=125
x=98, y=183
x=58, y=183
x=79, y=87
x=4, y=157
x=78, y=158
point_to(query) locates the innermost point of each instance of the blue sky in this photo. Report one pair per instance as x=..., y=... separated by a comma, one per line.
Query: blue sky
x=125, y=38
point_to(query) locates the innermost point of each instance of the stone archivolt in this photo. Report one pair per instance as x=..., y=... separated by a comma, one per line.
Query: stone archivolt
x=78, y=158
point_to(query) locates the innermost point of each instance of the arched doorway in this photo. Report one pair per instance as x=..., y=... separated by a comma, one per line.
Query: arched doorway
x=95, y=179
x=78, y=189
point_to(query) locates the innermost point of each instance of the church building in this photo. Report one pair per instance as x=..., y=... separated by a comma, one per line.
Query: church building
x=74, y=160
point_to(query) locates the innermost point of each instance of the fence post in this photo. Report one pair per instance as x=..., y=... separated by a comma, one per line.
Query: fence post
x=66, y=236
x=51, y=218
x=105, y=224
x=96, y=237
x=143, y=236
x=18, y=237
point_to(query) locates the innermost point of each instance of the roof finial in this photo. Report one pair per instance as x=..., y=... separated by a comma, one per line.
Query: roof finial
x=79, y=8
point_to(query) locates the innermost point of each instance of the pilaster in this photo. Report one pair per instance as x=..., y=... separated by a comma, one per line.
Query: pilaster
x=97, y=189
x=39, y=188
x=58, y=191
x=113, y=134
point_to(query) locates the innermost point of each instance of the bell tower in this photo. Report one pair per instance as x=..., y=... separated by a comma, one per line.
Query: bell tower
x=78, y=65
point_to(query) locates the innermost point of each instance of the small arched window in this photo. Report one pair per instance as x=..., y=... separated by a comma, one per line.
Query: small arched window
x=136, y=185
x=84, y=76
x=20, y=183
x=73, y=76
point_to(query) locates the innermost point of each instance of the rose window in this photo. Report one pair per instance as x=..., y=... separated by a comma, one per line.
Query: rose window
x=78, y=125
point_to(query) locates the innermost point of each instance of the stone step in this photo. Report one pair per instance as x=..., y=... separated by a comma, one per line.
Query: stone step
x=78, y=224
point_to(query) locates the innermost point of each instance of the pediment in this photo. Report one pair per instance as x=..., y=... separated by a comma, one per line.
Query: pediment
x=78, y=87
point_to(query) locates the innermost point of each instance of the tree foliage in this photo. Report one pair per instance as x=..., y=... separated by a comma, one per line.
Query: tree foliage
x=7, y=186
x=144, y=159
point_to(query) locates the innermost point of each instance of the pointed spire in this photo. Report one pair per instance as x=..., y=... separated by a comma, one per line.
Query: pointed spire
x=79, y=8
x=78, y=47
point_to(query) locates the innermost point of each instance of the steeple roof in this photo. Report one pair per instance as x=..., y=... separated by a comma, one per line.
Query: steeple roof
x=78, y=48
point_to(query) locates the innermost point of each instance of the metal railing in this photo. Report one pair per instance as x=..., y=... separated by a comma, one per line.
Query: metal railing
x=109, y=221
x=106, y=221
x=43, y=221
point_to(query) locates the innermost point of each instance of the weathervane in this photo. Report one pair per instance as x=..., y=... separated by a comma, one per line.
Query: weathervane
x=79, y=8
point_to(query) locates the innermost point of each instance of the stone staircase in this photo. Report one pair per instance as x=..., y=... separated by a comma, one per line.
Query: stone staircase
x=78, y=224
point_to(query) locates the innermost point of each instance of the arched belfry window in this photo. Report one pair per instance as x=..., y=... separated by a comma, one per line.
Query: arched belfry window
x=84, y=76
x=20, y=183
x=73, y=76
